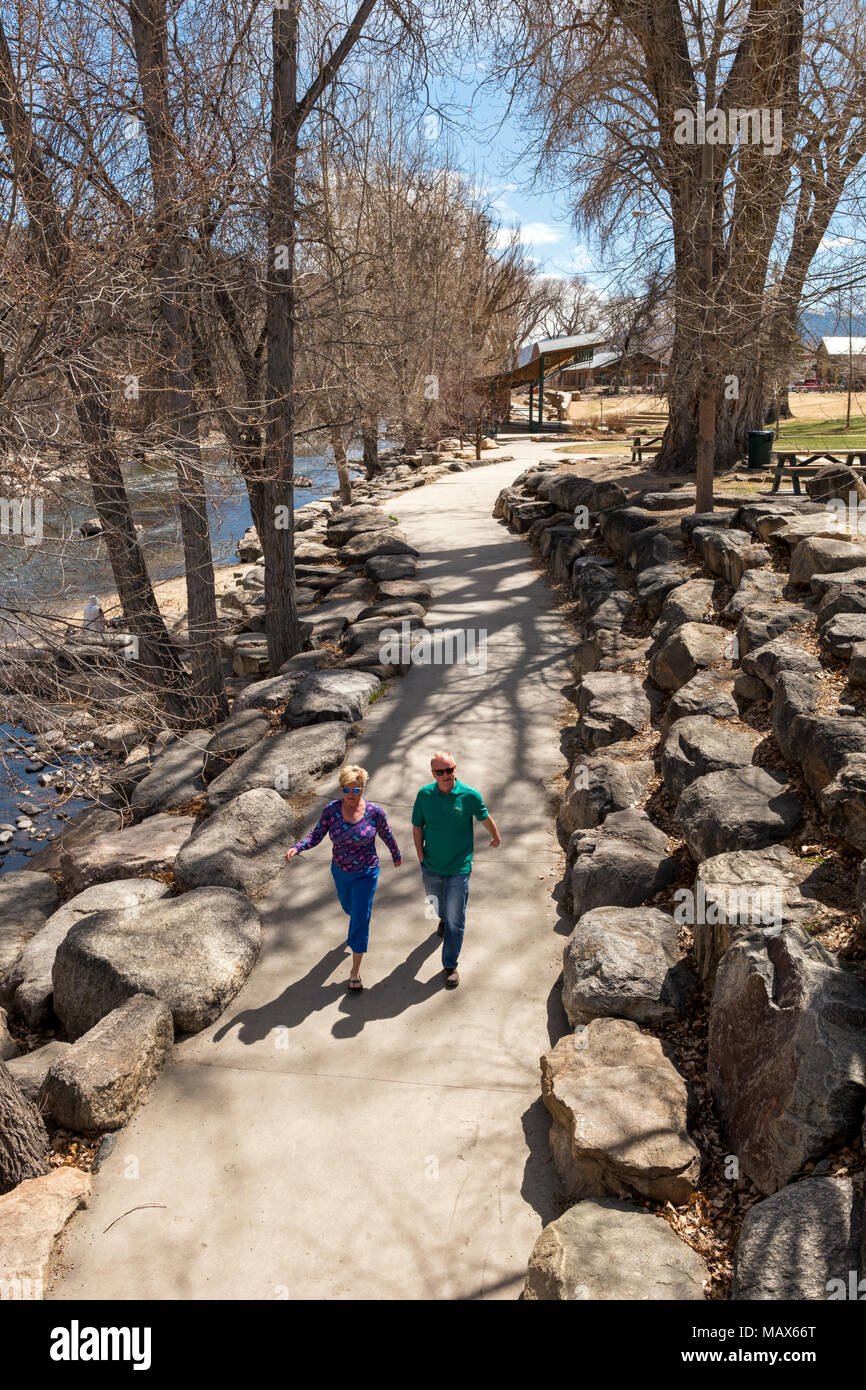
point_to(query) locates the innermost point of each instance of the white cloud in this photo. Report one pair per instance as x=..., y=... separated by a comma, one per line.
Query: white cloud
x=529, y=234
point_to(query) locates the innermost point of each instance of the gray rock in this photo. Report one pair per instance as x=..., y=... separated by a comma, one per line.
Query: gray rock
x=31, y=1068
x=342, y=528
x=600, y=784
x=392, y=609
x=843, y=802
x=619, y=1115
x=592, y=583
x=729, y=553
x=824, y=555
x=793, y=1244
x=770, y=660
x=820, y=584
x=269, y=694
x=794, y=698
x=654, y=546
x=376, y=543
x=100, y=1082
x=238, y=734
x=241, y=846
x=613, y=706
x=841, y=598
x=622, y=962
x=834, y=480
x=621, y=863
x=330, y=695
x=606, y=649
x=26, y=900
x=654, y=585
x=841, y=633
x=384, y=568
x=27, y=987
x=142, y=851
x=77, y=831
x=619, y=525
x=787, y=1053
x=698, y=745
x=709, y=692
x=756, y=629
x=572, y=1257
x=328, y=620
x=687, y=603
x=175, y=778
x=856, y=668
x=671, y=501
x=827, y=744
x=290, y=763
x=410, y=589
x=688, y=649
x=193, y=952
x=757, y=591
x=745, y=808
x=362, y=634
x=691, y=522
x=738, y=892
x=750, y=688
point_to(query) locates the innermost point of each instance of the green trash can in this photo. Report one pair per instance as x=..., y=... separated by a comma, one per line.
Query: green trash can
x=761, y=448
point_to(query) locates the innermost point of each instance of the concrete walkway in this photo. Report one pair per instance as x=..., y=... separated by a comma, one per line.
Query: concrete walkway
x=392, y=1144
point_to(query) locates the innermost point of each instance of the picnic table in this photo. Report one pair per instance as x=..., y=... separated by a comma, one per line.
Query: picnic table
x=788, y=463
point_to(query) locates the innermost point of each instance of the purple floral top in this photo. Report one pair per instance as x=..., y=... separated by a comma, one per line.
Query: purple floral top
x=354, y=846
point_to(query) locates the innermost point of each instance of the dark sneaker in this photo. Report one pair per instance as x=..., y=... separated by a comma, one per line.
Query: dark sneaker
x=441, y=928
x=452, y=979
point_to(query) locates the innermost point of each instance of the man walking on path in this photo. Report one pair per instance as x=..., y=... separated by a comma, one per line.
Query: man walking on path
x=443, y=830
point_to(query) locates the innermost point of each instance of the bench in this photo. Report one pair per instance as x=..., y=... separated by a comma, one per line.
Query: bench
x=786, y=464
x=649, y=445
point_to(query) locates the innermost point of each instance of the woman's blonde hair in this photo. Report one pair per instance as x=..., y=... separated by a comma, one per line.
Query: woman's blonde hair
x=353, y=776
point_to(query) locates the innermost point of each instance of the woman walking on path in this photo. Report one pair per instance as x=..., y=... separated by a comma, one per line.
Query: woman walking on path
x=353, y=825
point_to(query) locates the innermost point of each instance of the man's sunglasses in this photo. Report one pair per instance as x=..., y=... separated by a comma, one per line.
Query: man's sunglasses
x=443, y=771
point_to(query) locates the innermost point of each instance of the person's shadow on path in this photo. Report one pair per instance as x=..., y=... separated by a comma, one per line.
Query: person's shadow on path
x=396, y=992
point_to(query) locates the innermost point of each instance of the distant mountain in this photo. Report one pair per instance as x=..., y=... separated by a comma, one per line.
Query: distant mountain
x=815, y=326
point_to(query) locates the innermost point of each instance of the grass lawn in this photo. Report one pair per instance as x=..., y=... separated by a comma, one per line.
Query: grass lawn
x=809, y=435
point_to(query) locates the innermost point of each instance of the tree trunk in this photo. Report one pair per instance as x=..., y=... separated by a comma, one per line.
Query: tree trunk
x=370, y=440
x=24, y=1146
x=281, y=616
x=209, y=703
x=342, y=466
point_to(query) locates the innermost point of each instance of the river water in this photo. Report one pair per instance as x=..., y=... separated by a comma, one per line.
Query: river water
x=57, y=574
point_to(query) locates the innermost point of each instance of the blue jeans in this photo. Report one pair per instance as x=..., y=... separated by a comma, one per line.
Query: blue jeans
x=450, y=893
x=355, y=892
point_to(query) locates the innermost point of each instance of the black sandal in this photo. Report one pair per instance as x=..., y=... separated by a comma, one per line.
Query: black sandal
x=355, y=984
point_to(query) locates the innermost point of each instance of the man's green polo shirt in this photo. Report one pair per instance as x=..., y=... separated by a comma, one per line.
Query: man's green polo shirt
x=448, y=830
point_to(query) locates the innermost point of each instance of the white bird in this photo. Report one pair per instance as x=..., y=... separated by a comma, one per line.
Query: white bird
x=94, y=618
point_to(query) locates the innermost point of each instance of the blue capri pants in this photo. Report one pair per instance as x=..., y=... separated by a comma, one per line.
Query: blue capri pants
x=355, y=892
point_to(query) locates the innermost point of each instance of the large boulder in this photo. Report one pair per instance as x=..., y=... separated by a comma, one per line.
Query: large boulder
x=239, y=733
x=690, y=602
x=241, y=846
x=621, y=863
x=843, y=802
x=834, y=480
x=824, y=746
x=142, y=851
x=269, y=694
x=795, y=1244
x=329, y=695
x=619, y=1115
x=824, y=555
x=737, y=892
x=709, y=692
x=624, y=962
x=613, y=706
x=757, y=591
x=794, y=699
x=619, y=525
x=757, y=627
x=655, y=583
x=31, y=1068
x=368, y=544
x=193, y=952
x=80, y=829
x=289, y=763
x=26, y=900
x=728, y=553
x=382, y=568
x=572, y=1257
x=27, y=987
x=693, y=747
x=8, y=1046
x=33, y=1216
x=656, y=546
x=767, y=662
x=600, y=784
x=841, y=633
x=744, y=808
x=175, y=779
x=688, y=650
x=787, y=1053
x=101, y=1081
